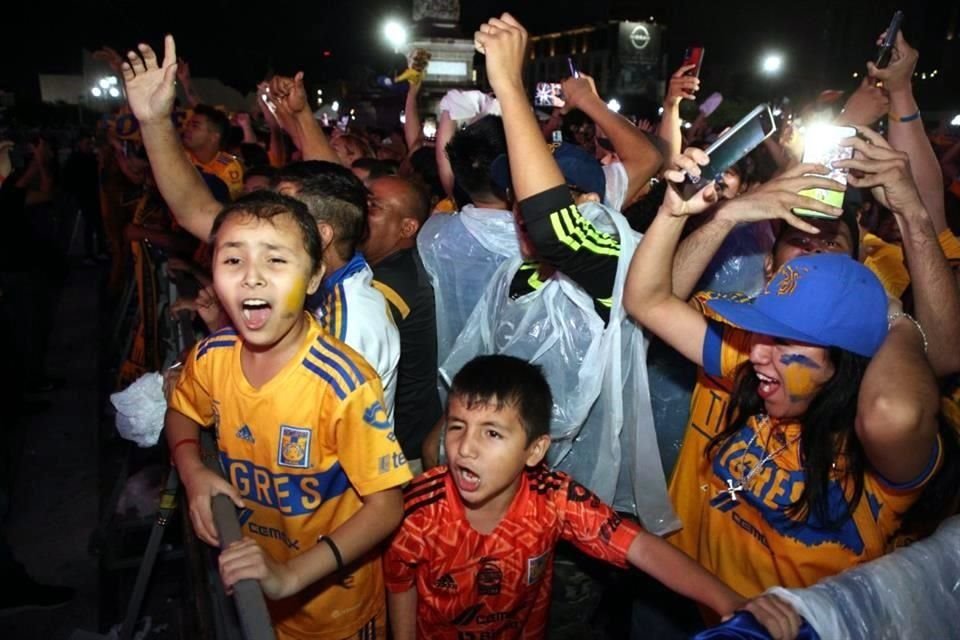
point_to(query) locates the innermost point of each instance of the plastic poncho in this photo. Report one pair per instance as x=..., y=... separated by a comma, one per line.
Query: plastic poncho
x=460, y=253
x=602, y=422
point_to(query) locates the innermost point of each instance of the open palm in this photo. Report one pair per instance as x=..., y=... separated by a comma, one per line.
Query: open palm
x=150, y=87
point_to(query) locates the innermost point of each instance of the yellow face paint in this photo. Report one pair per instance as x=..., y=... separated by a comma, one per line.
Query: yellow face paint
x=798, y=377
x=294, y=302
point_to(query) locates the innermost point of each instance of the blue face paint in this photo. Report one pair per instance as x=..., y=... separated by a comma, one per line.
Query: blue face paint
x=796, y=358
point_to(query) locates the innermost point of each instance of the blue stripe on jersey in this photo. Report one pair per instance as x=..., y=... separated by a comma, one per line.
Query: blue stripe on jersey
x=340, y=355
x=336, y=366
x=317, y=369
x=289, y=493
x=214, y=344
x=226, y=331
x=343, y=312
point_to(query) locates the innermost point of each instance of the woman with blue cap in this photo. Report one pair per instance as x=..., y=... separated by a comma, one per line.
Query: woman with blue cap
x=831, y=429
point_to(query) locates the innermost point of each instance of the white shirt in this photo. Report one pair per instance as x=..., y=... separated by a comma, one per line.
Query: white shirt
x=617, y=184
x=348, y=306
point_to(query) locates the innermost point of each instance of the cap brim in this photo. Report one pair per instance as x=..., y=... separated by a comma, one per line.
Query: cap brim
x=745, y=315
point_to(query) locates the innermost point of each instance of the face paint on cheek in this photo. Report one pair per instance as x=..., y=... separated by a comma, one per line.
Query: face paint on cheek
x=294, y=302
x=798, y=378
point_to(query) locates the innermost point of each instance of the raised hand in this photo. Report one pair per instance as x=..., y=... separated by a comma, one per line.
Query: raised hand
x=688, y=163
x=682, y=86
x=151, y=86
x=576, y=90
x=183, y=72
x=903, y=60
x=504, y=41
x=886, y=172
x=867, y=104
x=288, y=93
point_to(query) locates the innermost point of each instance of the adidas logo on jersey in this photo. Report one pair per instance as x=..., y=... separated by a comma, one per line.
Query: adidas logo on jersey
x=245, y=434
x=445, y=583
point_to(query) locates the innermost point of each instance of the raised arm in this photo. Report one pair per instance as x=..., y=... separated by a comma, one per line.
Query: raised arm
x=186, y=82
x=291, y=100
x=936, y=293
x=150, y=92
x=648, y=295
x=682, y=87
x=640, y=158
x=906, y=131
x=504, y=41
x=412, y=126
x=769, y=202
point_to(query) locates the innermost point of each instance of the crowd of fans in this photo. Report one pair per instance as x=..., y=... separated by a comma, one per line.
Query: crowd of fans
x=430, y=362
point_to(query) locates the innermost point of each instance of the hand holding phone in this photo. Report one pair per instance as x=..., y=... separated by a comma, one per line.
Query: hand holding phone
x=731, y=147
x=694, y=57
x=889, y=39
x=822, y=146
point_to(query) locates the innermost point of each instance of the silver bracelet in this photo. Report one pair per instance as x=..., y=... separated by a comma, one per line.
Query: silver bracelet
x=896, y=316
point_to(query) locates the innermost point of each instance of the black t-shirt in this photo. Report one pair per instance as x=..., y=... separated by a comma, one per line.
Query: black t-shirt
x=400, y=277
x=569, y=243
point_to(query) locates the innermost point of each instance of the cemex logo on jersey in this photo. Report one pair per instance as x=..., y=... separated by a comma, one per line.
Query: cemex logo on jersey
x=376, y=416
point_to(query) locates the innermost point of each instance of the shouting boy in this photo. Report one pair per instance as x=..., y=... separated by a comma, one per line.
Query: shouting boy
x=303, y=434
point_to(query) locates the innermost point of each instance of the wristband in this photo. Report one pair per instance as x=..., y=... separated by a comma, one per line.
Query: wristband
x=173, y=451
x=336, y=554
x=909, y=118
x=896, y=316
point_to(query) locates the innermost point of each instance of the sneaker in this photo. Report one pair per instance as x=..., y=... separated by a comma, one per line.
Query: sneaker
x=29, y=594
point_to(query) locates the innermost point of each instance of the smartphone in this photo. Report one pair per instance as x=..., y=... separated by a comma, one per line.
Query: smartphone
x=821, y=145
x=547, y=95
x=886, y=47
x=693, y=55
x=730, y=148
x=430, y=128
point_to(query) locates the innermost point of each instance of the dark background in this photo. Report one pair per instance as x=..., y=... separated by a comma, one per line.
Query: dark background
x=824, y=42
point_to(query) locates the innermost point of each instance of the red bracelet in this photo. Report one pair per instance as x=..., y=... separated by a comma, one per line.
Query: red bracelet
x=173, y=451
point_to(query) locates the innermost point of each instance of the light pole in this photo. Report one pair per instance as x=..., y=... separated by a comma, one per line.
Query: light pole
x=395, y=33
x=771, y=63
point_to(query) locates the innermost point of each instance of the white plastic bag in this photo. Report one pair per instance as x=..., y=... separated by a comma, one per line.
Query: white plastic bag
x=141, y=408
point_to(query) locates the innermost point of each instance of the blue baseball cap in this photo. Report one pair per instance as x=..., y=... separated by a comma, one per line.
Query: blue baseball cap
x=580, y=170
x=829, y=300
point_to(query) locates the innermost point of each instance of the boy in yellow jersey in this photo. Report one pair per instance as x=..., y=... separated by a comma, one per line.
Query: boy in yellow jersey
x=308, y=450
x=204, y=136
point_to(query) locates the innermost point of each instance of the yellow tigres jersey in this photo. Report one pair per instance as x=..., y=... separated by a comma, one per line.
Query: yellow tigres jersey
x=302, y=449
x=754, y=542
x=227, y=168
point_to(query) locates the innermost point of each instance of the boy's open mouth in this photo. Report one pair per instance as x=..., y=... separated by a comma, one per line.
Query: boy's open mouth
x=256, y=312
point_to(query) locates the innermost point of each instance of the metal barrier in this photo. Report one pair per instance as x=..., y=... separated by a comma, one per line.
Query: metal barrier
x=217, y=615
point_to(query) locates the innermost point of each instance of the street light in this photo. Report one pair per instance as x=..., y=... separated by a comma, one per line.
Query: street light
x=97, y=92
x=114, y=92
x=395, y=34
x=772, y=64
x=614, y=105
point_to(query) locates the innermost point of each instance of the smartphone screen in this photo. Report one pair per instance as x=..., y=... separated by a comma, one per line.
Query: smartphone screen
x=693, y=55
x=549, y=94
x=731, y=147
x=822, y=146
x=429, y=128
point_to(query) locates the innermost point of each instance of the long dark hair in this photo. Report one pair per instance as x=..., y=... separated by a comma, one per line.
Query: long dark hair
x=828, y=436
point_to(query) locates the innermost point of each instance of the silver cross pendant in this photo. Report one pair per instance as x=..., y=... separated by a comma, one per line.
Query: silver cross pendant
x=732, y=489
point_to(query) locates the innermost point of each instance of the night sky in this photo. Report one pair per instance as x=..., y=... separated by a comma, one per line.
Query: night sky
x=240, y=43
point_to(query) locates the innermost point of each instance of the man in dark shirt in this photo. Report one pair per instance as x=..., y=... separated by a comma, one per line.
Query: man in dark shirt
x=397, y=209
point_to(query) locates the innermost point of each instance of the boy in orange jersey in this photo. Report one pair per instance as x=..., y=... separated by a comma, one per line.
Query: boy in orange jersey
x=304, y=439
x=474, y=555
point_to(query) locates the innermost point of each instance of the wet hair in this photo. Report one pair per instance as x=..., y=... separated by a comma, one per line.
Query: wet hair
x=216, y=119
x=499, y=381
x=334, y=196
x=267, y=205
x=828, y=435
x=471, y=152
